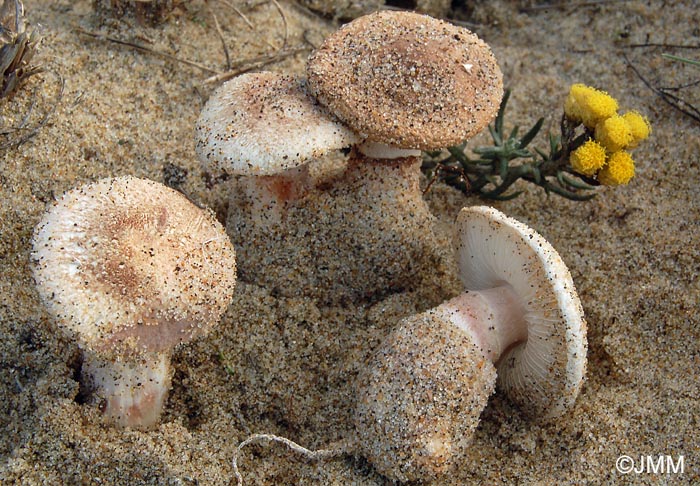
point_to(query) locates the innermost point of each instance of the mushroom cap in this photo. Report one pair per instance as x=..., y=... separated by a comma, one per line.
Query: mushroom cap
x=407, y=80
x=131, y=265
x=544, y=374
x=265, y=123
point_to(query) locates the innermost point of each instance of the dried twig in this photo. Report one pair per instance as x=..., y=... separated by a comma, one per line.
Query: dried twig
x=245, y=19
x=33, y=130
x=239, y=13
x=148, y=50
x=666, y=46
x=464, y=23
x=234, y=68
x=567, y=4
x=680, y=86
x=246, y=65
x=220, y=34
x=286, y=24
x=671, y=99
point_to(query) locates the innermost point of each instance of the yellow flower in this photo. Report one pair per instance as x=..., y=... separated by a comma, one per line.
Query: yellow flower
x=588, y=158
x=589, y=105
x=618, y=171
x=572, y=110
x=640, y=128
x=613, y=133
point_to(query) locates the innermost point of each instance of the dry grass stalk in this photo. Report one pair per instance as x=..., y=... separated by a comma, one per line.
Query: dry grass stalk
x=150, y=11
x=17, y=47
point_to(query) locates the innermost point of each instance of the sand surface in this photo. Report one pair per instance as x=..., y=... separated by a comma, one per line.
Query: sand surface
x=287, y=365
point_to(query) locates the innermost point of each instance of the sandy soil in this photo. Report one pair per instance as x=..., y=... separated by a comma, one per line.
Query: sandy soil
x=287, y=365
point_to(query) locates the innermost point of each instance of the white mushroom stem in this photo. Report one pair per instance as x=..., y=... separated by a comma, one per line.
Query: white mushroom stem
x=384, y=168
x=268, y=195
x=134, y=390
x=494, y=318
x=395, y=182
x=421, y=395
x=378, y=150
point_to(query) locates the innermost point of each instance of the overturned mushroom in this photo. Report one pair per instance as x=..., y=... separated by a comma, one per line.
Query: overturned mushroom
x=132, y=268
x=519, y=319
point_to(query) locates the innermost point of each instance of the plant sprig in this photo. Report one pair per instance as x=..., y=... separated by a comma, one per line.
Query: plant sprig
x=493, y=174
x=681, y=59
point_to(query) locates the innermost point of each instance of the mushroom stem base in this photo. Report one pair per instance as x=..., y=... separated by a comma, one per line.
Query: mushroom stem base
x=360, y=234
x=269, y=196
x=133, y=391
x=420, y=398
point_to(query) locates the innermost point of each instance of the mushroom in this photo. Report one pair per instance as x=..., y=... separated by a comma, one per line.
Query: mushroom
x=519, y=322
x=405, y=82
x=132, y=268
x=265, y=128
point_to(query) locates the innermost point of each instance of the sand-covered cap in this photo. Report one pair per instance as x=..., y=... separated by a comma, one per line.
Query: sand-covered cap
x=131, y=265
x=407, y=80
x=265, y=123
x=543, y=374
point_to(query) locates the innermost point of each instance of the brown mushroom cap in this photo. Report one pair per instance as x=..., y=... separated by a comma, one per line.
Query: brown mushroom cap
x=131, y=265
x=263, y=124
x=407, y=80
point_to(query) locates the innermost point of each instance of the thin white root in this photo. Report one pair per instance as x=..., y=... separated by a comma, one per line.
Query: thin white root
x=309, y=454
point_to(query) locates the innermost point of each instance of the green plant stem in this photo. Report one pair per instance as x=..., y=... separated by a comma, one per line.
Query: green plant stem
x=495, y=167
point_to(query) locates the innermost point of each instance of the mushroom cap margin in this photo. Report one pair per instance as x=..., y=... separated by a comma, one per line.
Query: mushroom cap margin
x=265, y=123
x=544, y=374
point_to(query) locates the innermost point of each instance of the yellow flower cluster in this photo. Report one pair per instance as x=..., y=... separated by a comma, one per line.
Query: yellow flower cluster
x=589, y=105
x=588, y=159
x=604, y=156
x=639, y=127
x=613, y=133
x=619, y=169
